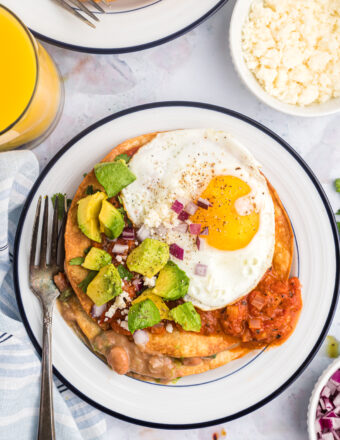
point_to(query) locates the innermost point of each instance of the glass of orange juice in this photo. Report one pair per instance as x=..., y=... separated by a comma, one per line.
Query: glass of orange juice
x=31, y=91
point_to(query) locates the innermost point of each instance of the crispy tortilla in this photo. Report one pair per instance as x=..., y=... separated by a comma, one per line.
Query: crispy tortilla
x=178, y=343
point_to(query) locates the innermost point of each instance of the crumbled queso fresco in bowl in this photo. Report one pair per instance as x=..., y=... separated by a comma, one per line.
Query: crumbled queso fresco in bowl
x=293, y=49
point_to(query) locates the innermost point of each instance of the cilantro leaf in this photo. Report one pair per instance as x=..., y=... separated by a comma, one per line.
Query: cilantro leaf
x=61, y=203
x=338, y=223
x=77, y=261
x=87, y=250
x=89, y=190
x=65, y=295
x=337, y=185
x=124, y=272
x=86, y=281
x=338, y=212
x=124, y=156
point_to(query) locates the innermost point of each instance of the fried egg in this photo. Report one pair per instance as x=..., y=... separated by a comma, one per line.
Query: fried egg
x=186, y=165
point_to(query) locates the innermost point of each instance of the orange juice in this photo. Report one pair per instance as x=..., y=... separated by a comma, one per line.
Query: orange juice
x=30, y=87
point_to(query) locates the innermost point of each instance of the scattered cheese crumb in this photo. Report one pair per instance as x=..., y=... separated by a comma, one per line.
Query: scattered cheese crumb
x=169, y=328
x=119, y=258
x=293, y=49
x=118, y=304
x=124, y=325
x=150, y=282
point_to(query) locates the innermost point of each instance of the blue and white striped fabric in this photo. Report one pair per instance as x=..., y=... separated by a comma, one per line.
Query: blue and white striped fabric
x=19, y=363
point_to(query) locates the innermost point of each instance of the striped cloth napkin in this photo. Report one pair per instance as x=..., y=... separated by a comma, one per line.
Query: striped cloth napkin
x=19, y=363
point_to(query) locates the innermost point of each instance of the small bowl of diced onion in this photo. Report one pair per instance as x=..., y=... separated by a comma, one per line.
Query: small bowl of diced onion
x=324, y=405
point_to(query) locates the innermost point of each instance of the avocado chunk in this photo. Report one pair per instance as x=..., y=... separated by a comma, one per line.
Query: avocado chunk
x=159, y=303
x=111, y=220
x=143, y=314
x=87, y=215
x=96, y=259
x=149, y=257
x=114, y=176
x=105, y=285
x=172, y=282
x=186, y=316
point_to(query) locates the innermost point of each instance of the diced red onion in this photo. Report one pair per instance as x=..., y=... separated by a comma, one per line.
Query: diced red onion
x=255, y=323
x=183, y=215
x=182, y=227
x=199, y=243
x=327, y=424
x=336, y=400
x=191, y=208
x=128, y=233
x=326, y=392
x=161, y=230
x=205, y=231
x=195, y=228
x=336, y=377
x=201, y=270
x=336, y=435
x=176, y=251
x=258, y=302
x=177, y=206
x=97, y=311
x=203, y=203
x=120, y=248
x=138, y=283
x=143, y=233
x=328, y=404
x=141, y=337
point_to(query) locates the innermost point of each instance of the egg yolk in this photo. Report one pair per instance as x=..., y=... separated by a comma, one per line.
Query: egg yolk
x=228, y=230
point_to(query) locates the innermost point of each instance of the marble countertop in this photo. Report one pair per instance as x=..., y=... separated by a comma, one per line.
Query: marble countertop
x=197, y=67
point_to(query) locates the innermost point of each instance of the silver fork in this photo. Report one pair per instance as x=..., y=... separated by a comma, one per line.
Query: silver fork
x=42, y=285
x=66, y=4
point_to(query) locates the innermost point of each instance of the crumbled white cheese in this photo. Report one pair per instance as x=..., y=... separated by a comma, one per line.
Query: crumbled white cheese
x=169, y=328
x=293, y=49
x=118, y=304
x=150, y=282
x=124, y=325
x=119, y=258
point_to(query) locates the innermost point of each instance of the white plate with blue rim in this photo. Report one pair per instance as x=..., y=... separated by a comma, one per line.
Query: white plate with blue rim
x=126, y=25
x=242, y=385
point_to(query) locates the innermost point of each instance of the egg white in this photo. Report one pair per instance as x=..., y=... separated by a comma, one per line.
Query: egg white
x=178, y=165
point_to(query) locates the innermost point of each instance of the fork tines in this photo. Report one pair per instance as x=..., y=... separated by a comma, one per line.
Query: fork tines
x=67, y=4
x=53, y=258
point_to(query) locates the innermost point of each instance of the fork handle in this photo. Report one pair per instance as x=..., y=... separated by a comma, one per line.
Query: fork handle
x=46, y=430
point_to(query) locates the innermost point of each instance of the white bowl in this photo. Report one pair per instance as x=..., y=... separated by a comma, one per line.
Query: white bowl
x=240, y=13
x=313, y=402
